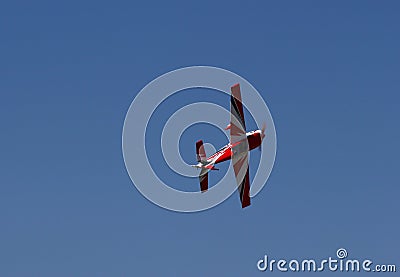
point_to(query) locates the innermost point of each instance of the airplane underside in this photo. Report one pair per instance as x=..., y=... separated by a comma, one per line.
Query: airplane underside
x=237, y=150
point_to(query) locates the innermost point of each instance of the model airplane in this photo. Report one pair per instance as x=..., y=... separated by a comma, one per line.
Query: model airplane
x=241, y=142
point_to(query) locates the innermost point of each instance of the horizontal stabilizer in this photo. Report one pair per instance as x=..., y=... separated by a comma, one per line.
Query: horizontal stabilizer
x=203, y=177
x=200, y=152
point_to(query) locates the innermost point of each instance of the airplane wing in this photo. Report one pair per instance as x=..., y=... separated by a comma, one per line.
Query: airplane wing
x=237, y=126
x=240, y=146
x=241, y=168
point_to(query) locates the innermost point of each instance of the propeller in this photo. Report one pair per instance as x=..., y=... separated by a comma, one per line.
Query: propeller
x=263, y=130
x=264, y=126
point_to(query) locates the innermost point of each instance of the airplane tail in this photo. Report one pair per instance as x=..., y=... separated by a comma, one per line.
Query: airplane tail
x=203, y=165
x=200, y=152
x=203, y=178
x=202, y=159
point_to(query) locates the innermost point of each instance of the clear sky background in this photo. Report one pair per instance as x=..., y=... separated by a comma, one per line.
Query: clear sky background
x=329, y=71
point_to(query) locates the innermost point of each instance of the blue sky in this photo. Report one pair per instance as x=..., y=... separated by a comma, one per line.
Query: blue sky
x=329, y=71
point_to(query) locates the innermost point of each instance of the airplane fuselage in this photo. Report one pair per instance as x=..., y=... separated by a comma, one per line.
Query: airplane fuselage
x=225, y=153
